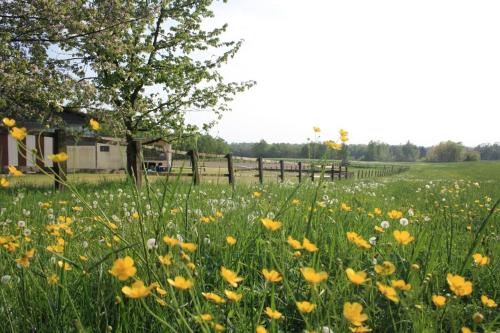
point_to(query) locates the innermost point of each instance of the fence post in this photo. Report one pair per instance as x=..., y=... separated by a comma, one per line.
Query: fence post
x=194, y=166
x=230, y=169
x=300, y=172
x=261, y=170
x=312, y=172
x=60, y=169
x=340, y=171
x=332, y=172
x=282, y=170
x=346, y=172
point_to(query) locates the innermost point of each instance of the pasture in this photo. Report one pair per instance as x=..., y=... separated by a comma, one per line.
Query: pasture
x=413, y=252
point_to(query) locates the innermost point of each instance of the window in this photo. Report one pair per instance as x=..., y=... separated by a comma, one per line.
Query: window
x=104, y=149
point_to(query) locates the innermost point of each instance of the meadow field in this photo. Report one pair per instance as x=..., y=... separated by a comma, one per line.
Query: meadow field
x=413, y=252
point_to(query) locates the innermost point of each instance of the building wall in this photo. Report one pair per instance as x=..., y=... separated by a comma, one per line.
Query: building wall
x=111, y=156
x=81, y=157
x=48, y=144
x=13, y=158
x=101, y=156
x=30, y=146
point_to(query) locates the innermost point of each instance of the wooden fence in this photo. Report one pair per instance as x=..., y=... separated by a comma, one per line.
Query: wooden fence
x=260, y=167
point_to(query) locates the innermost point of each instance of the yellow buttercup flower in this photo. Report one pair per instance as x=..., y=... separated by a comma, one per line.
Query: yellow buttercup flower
x=256, y=194
x=377, y=211
x=230, y=277
x=438, y=300
x=166, y=259
x=205, y=317
x=465, y=329
x=272, y=275
x=123, y=268
x=305, y=306
x=190, y=247
x=24, y=261
x=64, y=265
x=52, y=279
x=401, y=285
x=94, y=124
x=58, y=158
x=316, y=129
x=295, y=244
x=58, y=248
x=170, y=241
x=273, y=314
x=403, y=237
x=388, y=292
x=137, y=290
x=180, y=283
x=233, y=296
x=4, y=182
x=230, y=240
x=205, y=219
x=18, y=133
x=356, y=277
x=311, y=276
x=345, y=207
x=260, y=329
x=387, y=268
x=214, y=298
x=358, y=240
x=343, y=132
x=353, y=312
x=480, y=260
x=308, y=246
x=271, y=224
x=330, y=144
x=488, y=301
x=14, y=171
x=459, y=285
x=219, y=328
x=395, y=214
x=9, y=122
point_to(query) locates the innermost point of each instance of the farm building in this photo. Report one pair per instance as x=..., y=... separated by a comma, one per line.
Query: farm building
x=87, y=151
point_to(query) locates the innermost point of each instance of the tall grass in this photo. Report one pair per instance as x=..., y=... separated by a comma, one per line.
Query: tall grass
x=450, y=219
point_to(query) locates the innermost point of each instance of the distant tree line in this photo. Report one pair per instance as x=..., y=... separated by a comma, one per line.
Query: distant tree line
x=447, y=151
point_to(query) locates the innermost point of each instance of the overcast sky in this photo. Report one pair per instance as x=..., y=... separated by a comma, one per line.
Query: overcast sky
x=424, y=71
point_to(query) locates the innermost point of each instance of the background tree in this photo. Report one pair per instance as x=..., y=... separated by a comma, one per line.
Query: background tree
x=489, y=151
x=35, y=80
x=145, y=62
x=409, y=152
x=447, y=151
x=151, y=72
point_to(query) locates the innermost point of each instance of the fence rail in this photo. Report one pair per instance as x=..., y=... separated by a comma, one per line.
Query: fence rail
x=260, y=168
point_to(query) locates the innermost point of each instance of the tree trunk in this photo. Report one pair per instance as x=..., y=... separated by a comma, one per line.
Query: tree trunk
x=134, y=163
